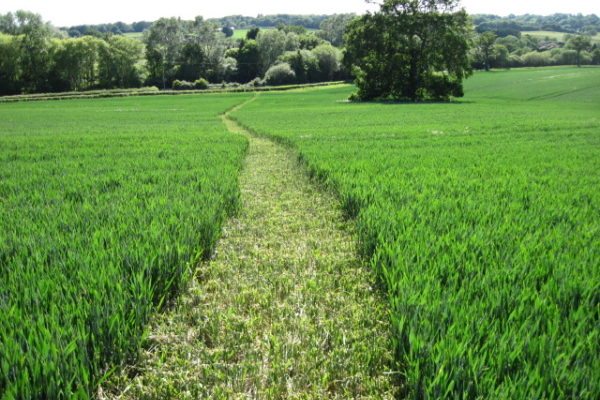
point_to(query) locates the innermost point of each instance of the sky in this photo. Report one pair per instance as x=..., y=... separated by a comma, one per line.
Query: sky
x=76, y=12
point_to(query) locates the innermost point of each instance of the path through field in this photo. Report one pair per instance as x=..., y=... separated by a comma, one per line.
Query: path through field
x=285, y=310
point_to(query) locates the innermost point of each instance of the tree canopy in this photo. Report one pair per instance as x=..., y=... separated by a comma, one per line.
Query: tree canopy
x=333, y=28
x=34, y=58
x=515, y=24
x=485, y=47
x=410, y=50
x=579, y=44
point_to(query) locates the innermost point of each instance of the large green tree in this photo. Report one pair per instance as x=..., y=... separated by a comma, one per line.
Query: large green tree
x=35, y=43
x=186, y=50
x=272, y=44
x=410, y=50
x=579, y=44
x=329, y=59
x=164, y=41
x=304, y=64
x=205, y=48
x=193, y=62
x=118, y=62
x=10, y=59
x=485, y=48
x=332, y=29
x=248, y=59
x=75, y=63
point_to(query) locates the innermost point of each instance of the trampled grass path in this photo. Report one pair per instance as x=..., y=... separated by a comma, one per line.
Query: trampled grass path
x=285, y=310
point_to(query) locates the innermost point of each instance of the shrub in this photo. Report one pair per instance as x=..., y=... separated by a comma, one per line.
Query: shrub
x=514, y=61
x=256, y=82
x=565, y=57
x=201, y=84
x=182, y=85
x=280, y=74
x=304, y=64
x=537, y=59
x=329, y=60
x=586, y=58
x=596, y=57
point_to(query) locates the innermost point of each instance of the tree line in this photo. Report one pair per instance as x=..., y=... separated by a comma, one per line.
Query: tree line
x=501, y=26
x=117, y=28
x=492, y=51
x=266, y=21
x=515, y=24
x=189, y=50
x=35, y=57
x=506, y=42
x=231, y=21
x=176, y=53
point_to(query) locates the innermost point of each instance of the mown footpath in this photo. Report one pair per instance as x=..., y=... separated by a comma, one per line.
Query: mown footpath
x=285, y=310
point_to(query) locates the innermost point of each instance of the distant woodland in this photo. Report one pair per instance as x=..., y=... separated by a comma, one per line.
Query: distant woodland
x=265, y=50
x=502, y=26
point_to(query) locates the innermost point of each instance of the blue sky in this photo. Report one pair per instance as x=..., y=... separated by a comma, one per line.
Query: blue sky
x=75, y=12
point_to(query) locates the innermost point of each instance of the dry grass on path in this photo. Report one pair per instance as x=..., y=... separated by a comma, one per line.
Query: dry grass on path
x=285, y=310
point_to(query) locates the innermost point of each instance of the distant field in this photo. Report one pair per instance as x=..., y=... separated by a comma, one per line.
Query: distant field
x=241, y=33
x=105, y=204
x=482, y=218
x=135, y=35
x=543, y=34
x=559, y=36
x=237, y=33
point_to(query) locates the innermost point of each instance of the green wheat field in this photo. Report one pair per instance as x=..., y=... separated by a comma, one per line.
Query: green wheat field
x=480, y=218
